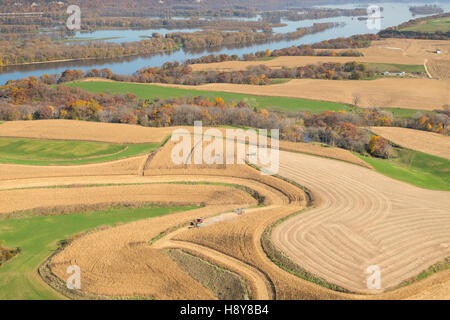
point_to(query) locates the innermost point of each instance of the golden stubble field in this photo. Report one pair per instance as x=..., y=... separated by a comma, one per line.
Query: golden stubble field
x=363, y=219
x=83, y=130
x=409, y=93
x=428, y=142
x=396, y=51
x=421, y=94
x=365, y=213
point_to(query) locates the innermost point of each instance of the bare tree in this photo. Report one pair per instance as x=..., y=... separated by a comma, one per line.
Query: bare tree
x=356, y=99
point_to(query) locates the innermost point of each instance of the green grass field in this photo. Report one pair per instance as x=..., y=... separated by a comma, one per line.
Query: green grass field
x=432, y=25
x=38, y=237
x=405, y=113
x=266, y=58
x=391, y=67
x=145, y=91
x=414, y=167
x=279, y=80
x=65, y=152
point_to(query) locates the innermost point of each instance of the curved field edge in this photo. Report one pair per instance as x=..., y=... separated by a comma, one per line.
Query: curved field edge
x=163, y=234
x=256, y=99
x=279, y=258
x=58, y=285
x=127, y=151
x=284, y=262
x=223, y=283
x=253, y=193
x=55, y=150
x=18, y=276
x=433, y=143
x=40, y=127
x=414, y=167
x=316, y=182
x=438, y=267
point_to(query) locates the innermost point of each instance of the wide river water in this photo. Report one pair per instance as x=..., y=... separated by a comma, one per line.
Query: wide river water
x=393, y=14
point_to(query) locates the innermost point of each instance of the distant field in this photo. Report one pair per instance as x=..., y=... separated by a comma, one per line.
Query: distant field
x=432, y=25
x=146, y=91
x=405, y=113
x=417, y=168
x=38, y=237
x=63, y=129
x=408, y=93
x=279, y=80
x=428, y=142
x=439, y=69
x=393, y=67
x=64, y=152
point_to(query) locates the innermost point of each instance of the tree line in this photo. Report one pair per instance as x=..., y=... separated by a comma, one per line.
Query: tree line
x=399, y=32
x=30, y=98
x=43, y=48
x=298, y=14
x=175, y=73
x=426, y=9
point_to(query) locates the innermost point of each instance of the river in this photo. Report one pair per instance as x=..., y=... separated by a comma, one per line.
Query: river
x=393, y=14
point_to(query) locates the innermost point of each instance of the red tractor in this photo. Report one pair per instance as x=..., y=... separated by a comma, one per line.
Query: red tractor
x=196, y=222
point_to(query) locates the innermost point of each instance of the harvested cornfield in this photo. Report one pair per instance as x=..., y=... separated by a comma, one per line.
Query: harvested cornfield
x=83, y=130
x=130, y=234
x=428, y=142
x=273, y=192
x=358, y=218
x=327, y=152
x=116, y=261
x=363, y=219
x=29, y=199
x=421, y=94
x=439, y=69
x=394, y=51
x=296, y=61
x=130, y=166
x=224, y=284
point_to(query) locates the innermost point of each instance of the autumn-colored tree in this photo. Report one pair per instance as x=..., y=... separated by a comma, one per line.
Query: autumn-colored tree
x=128, y=117
x=380, y=147
x=46, y=112
x=219, y=102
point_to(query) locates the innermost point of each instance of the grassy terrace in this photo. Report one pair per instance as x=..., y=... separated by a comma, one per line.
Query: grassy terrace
x=38, y=237
x=432, y=25
x=65, y=152
x=414, y=167
x=391, y=67
x=145, y=91
x=405, y=113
